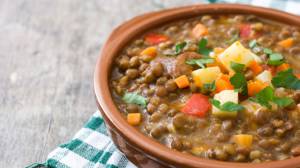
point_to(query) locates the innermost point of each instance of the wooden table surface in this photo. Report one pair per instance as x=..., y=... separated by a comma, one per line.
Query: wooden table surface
x=48, y=50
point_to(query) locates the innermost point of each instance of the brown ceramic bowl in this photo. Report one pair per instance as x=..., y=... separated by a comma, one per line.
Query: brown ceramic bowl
x=142, y=150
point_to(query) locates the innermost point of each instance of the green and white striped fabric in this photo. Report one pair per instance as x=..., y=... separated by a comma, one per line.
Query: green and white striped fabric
x=92, y=148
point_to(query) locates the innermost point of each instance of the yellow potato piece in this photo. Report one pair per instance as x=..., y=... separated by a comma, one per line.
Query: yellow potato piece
x=225, y=96
x=205, y=75
x=237, y=53
x=265, y=77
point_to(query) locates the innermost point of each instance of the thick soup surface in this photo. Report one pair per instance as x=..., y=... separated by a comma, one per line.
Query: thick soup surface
x=222, y=87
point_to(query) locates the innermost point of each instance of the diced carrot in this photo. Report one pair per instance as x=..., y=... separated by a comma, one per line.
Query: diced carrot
x=212, y=64
x=154, y=38
x=282, y=67
x=298, y=76
x=287, y=43
x=255, y=86
x=223, y=83
x=182, y=81
x=151, y=51
x=134, y=118
x=199, y=30
x=197, y=105
x=255, y=67
x=243, y=140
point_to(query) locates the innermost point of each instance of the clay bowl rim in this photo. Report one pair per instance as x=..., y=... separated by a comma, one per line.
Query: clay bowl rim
x=140, y=24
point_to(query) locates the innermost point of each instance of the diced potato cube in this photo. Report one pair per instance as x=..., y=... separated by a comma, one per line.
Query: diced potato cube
x=225, y=96
x=205, y=75
x=243, y=140
x=237, y=53
x=265, y=77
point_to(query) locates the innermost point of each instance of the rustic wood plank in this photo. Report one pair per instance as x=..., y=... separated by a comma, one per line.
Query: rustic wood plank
x=48, y=50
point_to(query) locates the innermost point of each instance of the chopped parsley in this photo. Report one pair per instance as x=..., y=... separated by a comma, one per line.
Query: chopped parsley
x=179, y=47
x=209, y=87
x=200, y=62
x=227, y=106
x=265, y=96
x=134, y=98
x=267, y=51
x=237, y=67
x=202, y=49
x=239, y=81
x=275, y=59
x=283, y=102
x=286, y=79
x=252, y=44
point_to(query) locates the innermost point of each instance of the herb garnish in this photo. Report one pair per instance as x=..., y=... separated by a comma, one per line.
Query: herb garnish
x=179, y=47
x=202, y=49
x=265, y=96
x=209, y=87
x=252, y=44
x=200, y=62
x=135, y=98
x=227, y=106
x=239, y=81
x=268, y=51
x=275, y=59
x=237, y=67
x=286, y=79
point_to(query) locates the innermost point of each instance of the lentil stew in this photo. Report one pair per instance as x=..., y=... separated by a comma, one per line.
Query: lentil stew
x=222, y=87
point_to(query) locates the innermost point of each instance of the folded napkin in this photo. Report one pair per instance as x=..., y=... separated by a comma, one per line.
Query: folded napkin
x=92, y=148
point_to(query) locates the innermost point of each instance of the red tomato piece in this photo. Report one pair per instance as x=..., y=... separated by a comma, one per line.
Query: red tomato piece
x=245, y=31
x=198, y=105
x=153, y=38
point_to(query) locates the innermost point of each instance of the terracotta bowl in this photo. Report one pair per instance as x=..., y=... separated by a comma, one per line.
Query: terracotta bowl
x=144, y=151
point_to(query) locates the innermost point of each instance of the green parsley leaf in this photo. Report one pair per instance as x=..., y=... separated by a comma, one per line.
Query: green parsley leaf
x=134, y=98
x=275, y=59
x=179, y=47
x=284, y=101
x=267, y=95
x=209, y=87
x=202, y=47
x=237, y=67
x=286, y=79
x=200, y=62
x=264, y=97
x=239, y=81
x=202, y=43
x=252, y=43
x=227, y=106
x=268, y=51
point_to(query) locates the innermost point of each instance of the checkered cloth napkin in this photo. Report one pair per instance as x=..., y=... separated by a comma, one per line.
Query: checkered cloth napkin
x=92, y=148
